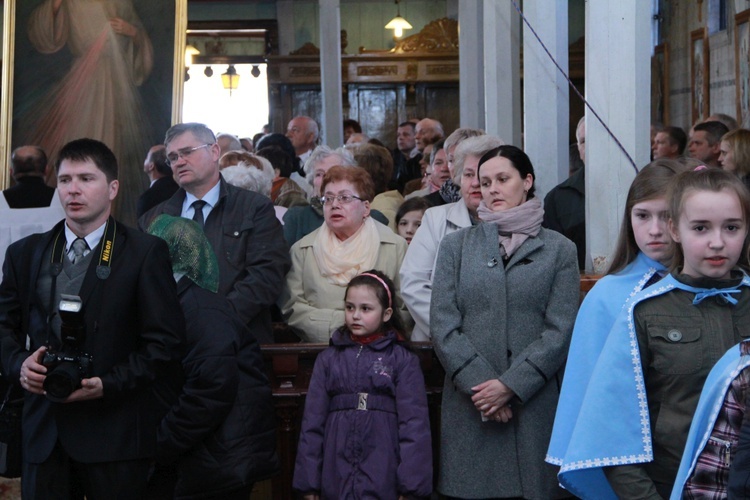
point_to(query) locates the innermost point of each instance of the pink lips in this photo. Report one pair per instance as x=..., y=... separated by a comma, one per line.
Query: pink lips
x=716, y=261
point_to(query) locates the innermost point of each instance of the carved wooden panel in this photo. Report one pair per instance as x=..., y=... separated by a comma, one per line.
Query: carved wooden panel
x=378, y=109
x=441, y=103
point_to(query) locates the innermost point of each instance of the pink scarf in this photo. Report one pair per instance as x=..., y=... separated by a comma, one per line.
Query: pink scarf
x=515, y=225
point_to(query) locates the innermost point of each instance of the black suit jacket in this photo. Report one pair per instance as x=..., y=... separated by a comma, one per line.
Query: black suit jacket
x=249, y=244
x=162, y=190
x=135, y=333
x=30, y=192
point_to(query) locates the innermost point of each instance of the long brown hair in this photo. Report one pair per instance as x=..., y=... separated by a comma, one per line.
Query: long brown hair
x=650, y=183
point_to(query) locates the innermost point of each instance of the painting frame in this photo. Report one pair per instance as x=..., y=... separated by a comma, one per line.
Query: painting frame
x=168, y=50
x=699, y=75
x=660, y=84
x=742, y=65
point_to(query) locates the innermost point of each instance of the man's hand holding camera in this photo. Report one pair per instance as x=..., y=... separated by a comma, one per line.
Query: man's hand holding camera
x=34, y=373
x=91, y=388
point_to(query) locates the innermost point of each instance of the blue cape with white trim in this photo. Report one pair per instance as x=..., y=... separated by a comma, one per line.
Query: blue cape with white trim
x=613, y=426
x=712, y=398
x=596, y=316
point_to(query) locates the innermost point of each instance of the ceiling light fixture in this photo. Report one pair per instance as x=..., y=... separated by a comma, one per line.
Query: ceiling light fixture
x=398, y=24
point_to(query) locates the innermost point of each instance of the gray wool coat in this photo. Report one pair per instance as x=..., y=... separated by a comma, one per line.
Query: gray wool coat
x=512, y=323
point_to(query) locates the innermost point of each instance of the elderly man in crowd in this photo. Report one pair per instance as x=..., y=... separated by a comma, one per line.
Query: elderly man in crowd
x=427, y=132
x=228, y=142
x=162, y=185
x=303, y=132
x=241, y=226
x=565, y=204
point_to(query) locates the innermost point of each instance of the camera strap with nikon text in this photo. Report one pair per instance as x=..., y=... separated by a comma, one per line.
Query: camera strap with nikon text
x=103, y=268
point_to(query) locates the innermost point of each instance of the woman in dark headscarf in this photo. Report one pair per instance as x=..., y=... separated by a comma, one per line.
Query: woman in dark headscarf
x=219, y=438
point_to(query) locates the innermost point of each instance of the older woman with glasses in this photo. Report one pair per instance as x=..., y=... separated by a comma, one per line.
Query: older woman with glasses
x=301, y=221
x=418, y=267
x=348, y=242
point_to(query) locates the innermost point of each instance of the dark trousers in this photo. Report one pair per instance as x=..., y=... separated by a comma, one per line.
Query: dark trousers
x=163, y=481
x=60, y=477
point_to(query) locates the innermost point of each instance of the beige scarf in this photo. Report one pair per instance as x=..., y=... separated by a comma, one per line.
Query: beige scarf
x=515, y=225
x=340, y=261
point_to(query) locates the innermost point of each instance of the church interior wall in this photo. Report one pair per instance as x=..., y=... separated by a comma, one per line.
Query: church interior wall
x=680, y=18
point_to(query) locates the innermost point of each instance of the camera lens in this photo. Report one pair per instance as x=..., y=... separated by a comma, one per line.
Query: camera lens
x=62, y=381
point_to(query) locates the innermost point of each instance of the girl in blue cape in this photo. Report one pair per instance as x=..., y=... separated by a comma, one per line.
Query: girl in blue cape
x=644, y=389
x=715, y=441
x=639, y=260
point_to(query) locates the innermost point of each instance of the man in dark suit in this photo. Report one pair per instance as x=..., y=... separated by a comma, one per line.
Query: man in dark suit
x=162, y=185
x=241, y=226
x=99, y=440
x=28, y=168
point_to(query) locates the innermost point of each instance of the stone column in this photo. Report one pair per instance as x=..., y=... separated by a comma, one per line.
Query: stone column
x=502, y=82
x=470, y=63
x=618, y=76
x=332, y=132
x=545, y=92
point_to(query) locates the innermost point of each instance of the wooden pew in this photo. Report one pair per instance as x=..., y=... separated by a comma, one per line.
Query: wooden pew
x=289, y=366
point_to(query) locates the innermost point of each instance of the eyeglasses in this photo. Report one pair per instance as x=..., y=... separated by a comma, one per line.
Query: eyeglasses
x=184, y=153
x=341, y=198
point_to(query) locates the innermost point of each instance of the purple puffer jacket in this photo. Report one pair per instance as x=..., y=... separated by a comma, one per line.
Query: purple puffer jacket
x=346, y=453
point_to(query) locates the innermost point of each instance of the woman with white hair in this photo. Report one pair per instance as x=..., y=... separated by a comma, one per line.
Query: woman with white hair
x=254, y=174
x=301, y=221
x=418, y=267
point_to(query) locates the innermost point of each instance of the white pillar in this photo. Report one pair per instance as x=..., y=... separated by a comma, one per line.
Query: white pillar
x=545, y=92
x=470, y=63
x=332, y=132
x=618, y=76
x=502, y=82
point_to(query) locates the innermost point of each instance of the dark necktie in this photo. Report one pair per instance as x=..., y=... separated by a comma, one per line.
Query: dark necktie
x=79, y=246
x=198, y=211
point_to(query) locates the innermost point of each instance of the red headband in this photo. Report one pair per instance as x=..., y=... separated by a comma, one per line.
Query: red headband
x=382, y=282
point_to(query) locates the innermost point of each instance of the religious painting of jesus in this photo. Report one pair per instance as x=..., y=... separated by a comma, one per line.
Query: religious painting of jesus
x=102, y=69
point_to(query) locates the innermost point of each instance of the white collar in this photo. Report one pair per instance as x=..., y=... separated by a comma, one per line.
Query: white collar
x=92, y=239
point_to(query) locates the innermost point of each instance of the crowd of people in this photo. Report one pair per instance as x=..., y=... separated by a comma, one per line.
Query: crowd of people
x=150, y=340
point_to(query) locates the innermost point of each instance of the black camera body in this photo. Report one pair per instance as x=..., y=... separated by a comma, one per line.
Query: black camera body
x=69, y=365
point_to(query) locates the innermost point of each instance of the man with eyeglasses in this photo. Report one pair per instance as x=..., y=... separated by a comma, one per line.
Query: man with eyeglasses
x=241, y=226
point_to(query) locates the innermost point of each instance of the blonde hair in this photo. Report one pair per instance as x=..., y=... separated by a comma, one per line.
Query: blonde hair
x=739, y=141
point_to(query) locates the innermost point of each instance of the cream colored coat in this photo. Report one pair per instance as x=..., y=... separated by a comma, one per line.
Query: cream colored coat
x=418, y=267
x=388, y=204
x=315, y=306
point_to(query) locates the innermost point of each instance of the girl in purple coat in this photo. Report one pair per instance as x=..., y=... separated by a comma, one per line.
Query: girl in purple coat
x=366, y=431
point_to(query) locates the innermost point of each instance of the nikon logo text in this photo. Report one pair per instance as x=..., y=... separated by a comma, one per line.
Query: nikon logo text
x=107, y=251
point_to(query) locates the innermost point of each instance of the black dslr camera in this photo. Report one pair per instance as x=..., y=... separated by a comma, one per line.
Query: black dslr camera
x=68, y=366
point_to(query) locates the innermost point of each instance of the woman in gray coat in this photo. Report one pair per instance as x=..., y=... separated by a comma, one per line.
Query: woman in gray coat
x=504, y=301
